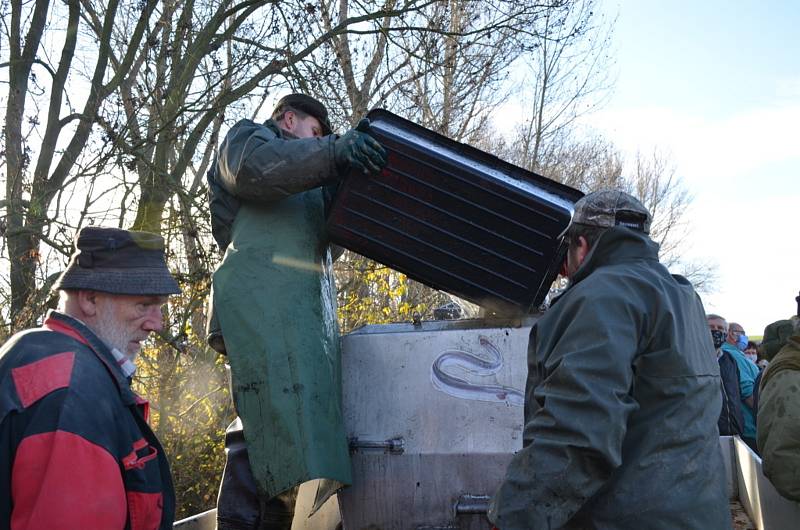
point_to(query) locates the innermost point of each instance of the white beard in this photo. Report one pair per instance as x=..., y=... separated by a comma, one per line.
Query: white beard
x=114, y=334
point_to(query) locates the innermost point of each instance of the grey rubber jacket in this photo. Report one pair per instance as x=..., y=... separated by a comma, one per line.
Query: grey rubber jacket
x=622, y=401
x=263, y=164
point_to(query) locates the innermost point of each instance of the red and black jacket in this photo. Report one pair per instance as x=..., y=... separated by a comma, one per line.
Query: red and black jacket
x=75, y=446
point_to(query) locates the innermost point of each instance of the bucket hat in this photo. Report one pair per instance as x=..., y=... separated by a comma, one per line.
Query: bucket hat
x=117, y=261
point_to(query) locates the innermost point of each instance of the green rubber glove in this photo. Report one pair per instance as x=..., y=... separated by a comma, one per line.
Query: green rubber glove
x=355, y=149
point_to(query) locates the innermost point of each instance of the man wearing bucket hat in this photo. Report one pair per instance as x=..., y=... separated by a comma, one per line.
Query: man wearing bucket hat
x=274, y=308
x=623, y=391
x=77, y=449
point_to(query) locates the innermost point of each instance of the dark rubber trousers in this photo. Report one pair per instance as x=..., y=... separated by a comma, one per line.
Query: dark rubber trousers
x=239, y=506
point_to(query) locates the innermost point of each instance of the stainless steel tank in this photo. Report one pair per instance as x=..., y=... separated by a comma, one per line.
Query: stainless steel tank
x=434, y=413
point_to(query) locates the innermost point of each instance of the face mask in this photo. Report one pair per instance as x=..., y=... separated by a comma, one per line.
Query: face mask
x=719, y=338
x=741, y=342
x=752, y=356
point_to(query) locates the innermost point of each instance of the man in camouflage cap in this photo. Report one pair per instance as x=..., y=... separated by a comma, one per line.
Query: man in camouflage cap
x=78, y=451
x=623, y=391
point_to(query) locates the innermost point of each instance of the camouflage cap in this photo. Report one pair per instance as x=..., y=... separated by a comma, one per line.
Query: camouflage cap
x=609, y=208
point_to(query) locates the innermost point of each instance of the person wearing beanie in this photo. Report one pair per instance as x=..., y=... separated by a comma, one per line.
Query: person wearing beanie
x=779, y=417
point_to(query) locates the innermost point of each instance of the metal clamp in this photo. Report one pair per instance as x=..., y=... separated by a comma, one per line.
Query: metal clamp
x=394, y=446
x=472, y=504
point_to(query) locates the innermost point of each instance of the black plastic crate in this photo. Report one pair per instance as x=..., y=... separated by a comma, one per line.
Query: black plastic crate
x=455, y=218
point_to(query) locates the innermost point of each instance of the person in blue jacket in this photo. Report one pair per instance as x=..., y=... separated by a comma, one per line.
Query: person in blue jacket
x=748, y=373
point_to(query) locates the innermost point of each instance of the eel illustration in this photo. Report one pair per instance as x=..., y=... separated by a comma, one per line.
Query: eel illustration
x=480, y=366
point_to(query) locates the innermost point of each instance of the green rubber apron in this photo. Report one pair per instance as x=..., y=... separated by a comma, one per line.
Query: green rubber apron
x=274, y=298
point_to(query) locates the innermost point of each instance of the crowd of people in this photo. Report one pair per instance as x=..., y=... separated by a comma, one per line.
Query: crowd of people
x=740, y=374
x=742, y=364
x=624, y=401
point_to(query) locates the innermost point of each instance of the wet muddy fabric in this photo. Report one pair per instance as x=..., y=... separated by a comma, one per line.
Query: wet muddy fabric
x=274, y=299
x=622, y=402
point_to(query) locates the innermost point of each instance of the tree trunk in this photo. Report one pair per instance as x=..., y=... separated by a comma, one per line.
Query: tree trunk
x=22, y=245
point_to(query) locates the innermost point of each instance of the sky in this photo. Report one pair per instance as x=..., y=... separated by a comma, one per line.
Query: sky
x=716, y=86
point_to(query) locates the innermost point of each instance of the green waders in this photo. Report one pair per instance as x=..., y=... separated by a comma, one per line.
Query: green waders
x=274, y=299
